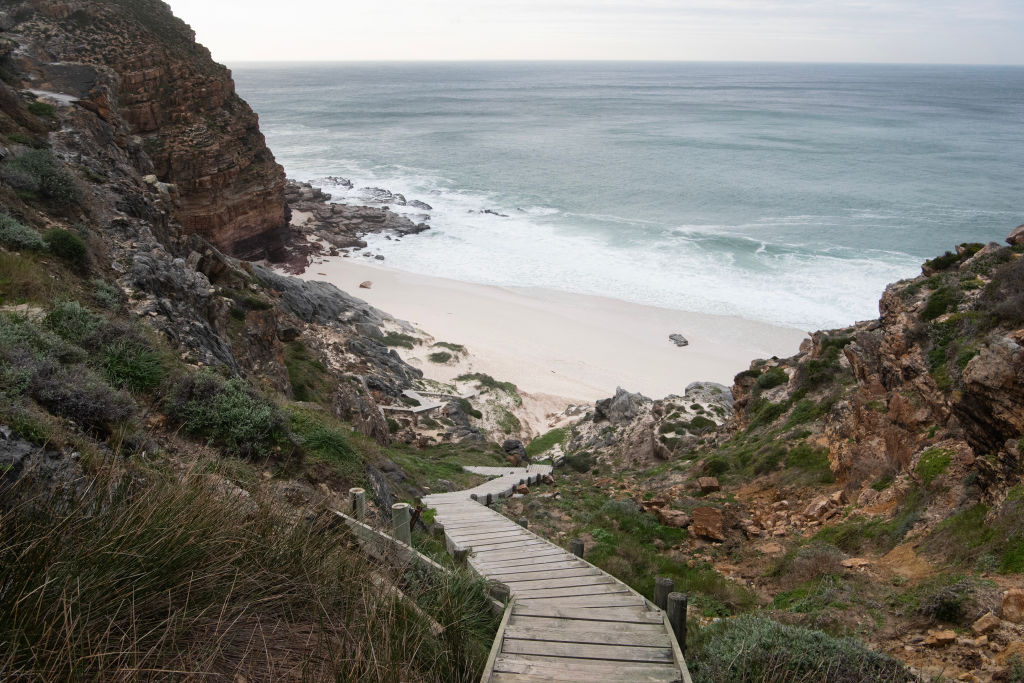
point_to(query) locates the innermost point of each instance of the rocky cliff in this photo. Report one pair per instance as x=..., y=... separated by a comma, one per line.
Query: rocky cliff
x=133, y=61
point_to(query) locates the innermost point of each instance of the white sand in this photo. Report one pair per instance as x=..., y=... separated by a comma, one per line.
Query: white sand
x=569, y=346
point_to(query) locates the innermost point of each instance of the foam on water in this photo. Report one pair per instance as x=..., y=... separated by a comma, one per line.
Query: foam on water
x=790, y=194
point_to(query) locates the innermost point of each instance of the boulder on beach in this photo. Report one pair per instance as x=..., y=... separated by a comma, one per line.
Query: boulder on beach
x=678, y=340
x=365, y=285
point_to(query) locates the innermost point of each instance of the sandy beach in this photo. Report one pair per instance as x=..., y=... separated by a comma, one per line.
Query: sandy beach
x=570, y=346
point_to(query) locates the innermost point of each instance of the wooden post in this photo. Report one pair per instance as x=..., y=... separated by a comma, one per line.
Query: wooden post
x=488, y=501
x=461, y=556
x=357, y=502
x=662, y=587
x=498, y=590
x=474, y=497
x=576, y=547
x=437, y=530
x=400, y=516
x=523, y=522
x=677, y=617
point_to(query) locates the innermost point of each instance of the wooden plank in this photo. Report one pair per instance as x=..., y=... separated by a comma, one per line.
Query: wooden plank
x=588, y=601
x=492, y=555
x=558, y=668
x=610, y=635
x=677, y=654
x=552, y=569
x=596, y=590
x=582, y=625
x=496, y=645
x=489, y=535
x=489, y=544
x=623, y=614
x=614, y=653
x=559, y=582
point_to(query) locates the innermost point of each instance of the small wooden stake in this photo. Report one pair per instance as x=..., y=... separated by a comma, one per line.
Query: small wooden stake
x=677, y=617
x=662, y=587
x=576, y=547
x=523, y=522
x=461, y=556
x=357, y=503
x=400, y=517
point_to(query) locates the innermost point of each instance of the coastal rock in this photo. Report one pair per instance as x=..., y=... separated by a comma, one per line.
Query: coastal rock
x=986, y=624
x=672, y=518
x=200, y=136
x=1013, y=605
x=1016, y=236
x=708, y=523
x=515, y=447
x=422, y=206
x=708, y=484
x=678, y=340
x=621, y=408
x=366, y=284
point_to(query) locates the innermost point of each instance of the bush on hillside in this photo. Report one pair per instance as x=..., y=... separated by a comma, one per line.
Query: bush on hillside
x=15, y=235
x=68, y=246
x=754, y=649
x=228, y=413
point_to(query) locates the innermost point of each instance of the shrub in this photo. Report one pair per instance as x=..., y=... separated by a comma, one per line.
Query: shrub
x=307, y=375
x=934, y=461
x=940, y=301
x=158, y=572
x=15, y=235
x=132, y=366
x=41, y=108
x=751, y=649
x=440, y=357
x=37, y=171
x=772, y=378
x=404, y=341
x=229, y=413
x=77, y=393
x=72, y=322
x=68, y=246
x=716, y=466
x=457, y=348
x=546, y=442
x=701, y=424
x=581, y=462
x=467, y=407
x=489, y=382
x=508, y=422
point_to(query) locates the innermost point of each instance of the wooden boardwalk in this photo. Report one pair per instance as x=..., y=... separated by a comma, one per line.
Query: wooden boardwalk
x=569, y=621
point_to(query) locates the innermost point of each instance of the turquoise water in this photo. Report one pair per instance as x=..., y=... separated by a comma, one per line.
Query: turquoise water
x=785, y=193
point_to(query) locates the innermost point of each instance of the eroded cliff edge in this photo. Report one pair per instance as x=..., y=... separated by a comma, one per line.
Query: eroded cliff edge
x=134, y=61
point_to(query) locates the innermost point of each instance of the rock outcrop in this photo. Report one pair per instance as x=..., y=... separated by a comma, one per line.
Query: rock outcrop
x=135, y=63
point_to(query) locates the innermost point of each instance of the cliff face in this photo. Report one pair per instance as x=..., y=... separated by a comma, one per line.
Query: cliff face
x=132, y=59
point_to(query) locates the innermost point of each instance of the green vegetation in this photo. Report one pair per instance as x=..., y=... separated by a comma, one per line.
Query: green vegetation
x=858, y=533
x=307, y=375
x=507, y=422
x=68, y=246
x=941, y=301
x=36, y=173
x=398, y=339
x=489, y=382
x=581, y=462
x=457, y=348
x=882, y=483
x=824, y=369
x=933, y=462
x=129, y=364
x=980, y=535
x=183, y=579
x=753, y=649
x=15, y=235
x=39, y=108
x=772, y=378
x=323, y=438
x=812, y=460
x=467, y=407
x=546, y=442
x=440, y=357
x=229, y=414
x=946, y=599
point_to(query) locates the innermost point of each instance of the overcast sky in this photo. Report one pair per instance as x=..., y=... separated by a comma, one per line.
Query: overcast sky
x=928, y=31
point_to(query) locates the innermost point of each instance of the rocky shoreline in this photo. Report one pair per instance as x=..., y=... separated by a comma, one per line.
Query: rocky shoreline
x=321, y=227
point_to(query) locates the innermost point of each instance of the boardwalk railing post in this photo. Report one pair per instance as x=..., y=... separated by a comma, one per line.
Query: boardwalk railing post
x=662, y=587
x=461, y=555
x=576, y=547
x=523, y=522
x=677, y=617
x=400, y=517
x=357, y=502
x=490, y=498
x=437, y=530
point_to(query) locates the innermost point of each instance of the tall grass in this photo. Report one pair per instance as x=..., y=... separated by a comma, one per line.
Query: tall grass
x=145, y=576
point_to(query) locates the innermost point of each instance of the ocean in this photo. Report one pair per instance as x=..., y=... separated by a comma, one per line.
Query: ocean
x=784, y=193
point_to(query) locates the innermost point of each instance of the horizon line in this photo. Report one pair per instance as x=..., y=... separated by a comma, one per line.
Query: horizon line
x=617, y=61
